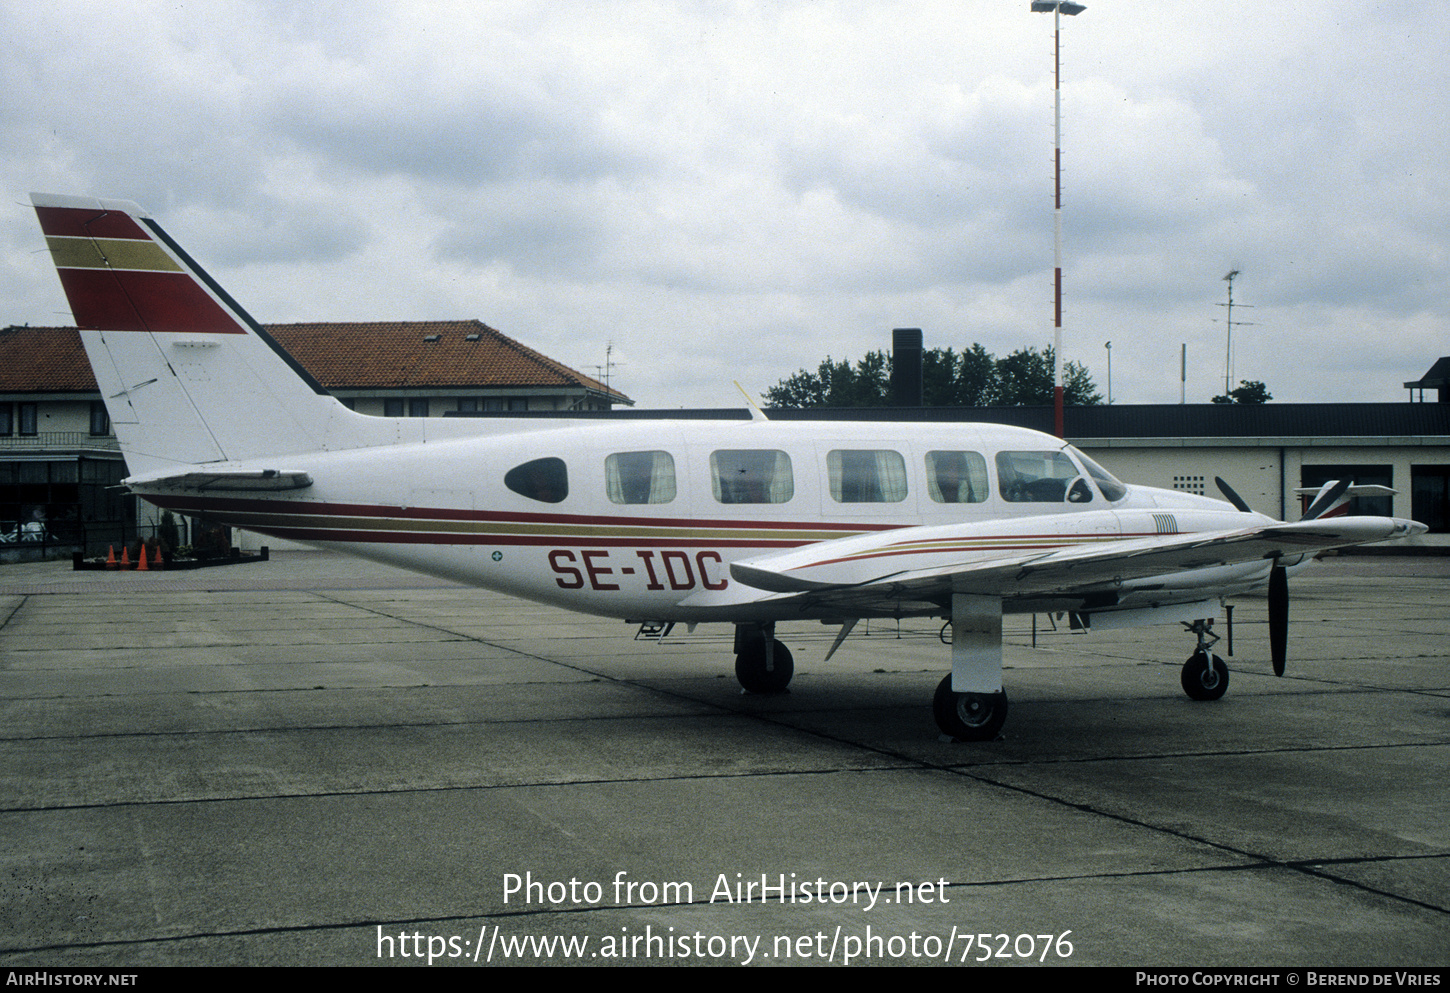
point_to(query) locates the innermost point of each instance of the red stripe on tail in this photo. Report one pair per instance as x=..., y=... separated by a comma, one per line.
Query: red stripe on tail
x=86, y=222
x=121, y=300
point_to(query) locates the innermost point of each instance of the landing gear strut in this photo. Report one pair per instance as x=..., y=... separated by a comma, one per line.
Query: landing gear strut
x=1204, y=676
x=976, y=708
x=762, y=664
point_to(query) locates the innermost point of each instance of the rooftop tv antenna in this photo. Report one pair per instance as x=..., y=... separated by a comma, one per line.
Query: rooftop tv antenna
x=603, y=371
x=1228, y=347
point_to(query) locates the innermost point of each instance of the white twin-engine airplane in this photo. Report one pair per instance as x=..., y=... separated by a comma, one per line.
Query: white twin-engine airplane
x=666, y=521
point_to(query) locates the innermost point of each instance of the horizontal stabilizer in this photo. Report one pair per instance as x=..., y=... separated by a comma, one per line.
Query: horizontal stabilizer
x=251, y=480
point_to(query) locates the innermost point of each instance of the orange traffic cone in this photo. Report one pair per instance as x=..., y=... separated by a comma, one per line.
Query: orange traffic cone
x=141, y=565
x=125, y=557
x=111, y=558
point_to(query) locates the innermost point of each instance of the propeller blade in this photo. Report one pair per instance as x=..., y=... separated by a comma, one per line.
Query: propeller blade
x=1279, y=617
x=1326, y=498
x=1230, y=495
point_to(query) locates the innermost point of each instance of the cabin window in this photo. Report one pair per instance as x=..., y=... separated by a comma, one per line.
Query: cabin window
x=545, y=480
x=1040, y=477
x=640, y=477
x=751, y=476
x=866, y=476
x=7, y=420
x=29, y=419
x=956, y=477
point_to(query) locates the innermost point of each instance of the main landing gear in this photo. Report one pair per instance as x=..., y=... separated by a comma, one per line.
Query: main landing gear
x=1204, y=676
x=969, y=716
x=762, y=664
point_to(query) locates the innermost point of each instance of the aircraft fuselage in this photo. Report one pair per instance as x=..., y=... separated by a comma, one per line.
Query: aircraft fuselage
x=643, y=519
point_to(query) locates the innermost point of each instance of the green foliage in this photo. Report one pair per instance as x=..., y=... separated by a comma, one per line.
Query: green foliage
x=1249, y=391
x=970, y=378
x=168, y=534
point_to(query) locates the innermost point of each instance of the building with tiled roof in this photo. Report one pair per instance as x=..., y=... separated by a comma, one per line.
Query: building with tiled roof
x=60, y=463
x=446, y=362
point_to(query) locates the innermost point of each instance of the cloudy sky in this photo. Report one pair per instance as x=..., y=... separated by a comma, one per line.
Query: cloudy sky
x=734, y=190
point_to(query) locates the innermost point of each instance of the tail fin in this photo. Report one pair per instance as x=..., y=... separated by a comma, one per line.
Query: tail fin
x=187, y=377
x=1332, y=499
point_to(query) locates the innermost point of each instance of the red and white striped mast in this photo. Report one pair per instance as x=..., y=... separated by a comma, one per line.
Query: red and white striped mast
x=1057, y=9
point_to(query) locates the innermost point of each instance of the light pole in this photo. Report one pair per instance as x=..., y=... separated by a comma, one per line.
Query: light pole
x=1057, y=8
x=1109, y=347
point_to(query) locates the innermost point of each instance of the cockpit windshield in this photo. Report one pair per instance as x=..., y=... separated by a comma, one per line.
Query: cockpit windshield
x=1113, y=490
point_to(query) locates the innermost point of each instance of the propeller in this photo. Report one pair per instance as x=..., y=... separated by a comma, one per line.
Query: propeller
x=1230, y=495
x=1278, y=580
x=1327, y=497
x=1278, y=617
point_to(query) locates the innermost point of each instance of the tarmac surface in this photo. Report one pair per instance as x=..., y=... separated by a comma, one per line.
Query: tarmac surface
x=316, y=761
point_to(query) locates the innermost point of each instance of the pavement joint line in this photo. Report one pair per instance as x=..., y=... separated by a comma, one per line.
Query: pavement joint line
x=23, y=599
x=462, y=787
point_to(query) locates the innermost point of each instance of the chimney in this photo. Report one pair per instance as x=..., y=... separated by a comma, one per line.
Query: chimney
x=906, y=367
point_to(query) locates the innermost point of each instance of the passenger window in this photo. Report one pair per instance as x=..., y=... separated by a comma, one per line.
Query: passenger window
x=545, y=480
x=956, y=477
x=1040, y=477
x=751, y=476
x=640, y=477
x=866, y=476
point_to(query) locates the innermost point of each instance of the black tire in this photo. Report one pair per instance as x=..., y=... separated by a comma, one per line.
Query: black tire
x=1205, y=677
x=969, y=716
x=751, y=672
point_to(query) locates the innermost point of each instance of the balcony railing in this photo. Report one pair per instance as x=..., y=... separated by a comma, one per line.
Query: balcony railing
x=58, y=441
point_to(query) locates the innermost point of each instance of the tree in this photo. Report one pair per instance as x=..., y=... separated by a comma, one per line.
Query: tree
x=970, y=378
x=1249, y=391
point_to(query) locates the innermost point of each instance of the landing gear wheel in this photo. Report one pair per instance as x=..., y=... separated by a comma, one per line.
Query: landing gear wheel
x=751, y=671
x=1205, y=677
x=969, y=716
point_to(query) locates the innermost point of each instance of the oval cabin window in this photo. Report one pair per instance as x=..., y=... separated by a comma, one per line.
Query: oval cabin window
x=545, y=480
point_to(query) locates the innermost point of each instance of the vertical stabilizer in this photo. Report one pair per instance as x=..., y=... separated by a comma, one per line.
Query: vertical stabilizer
x=187, y=376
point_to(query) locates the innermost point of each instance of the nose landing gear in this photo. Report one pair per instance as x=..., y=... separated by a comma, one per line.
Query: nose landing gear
x=1204, y=675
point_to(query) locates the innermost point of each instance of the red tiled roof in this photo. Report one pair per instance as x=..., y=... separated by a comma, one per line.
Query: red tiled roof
x=383, y=355
x=44, y=360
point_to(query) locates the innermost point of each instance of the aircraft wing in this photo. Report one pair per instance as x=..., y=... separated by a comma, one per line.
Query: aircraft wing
x=931, y=563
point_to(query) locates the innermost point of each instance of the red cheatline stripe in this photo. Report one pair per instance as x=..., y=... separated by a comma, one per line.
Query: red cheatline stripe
x=216, y=505
x=552, y=541
x=88, y=222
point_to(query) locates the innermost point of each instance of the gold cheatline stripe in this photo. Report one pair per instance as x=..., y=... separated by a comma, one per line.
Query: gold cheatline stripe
x=109, y=253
